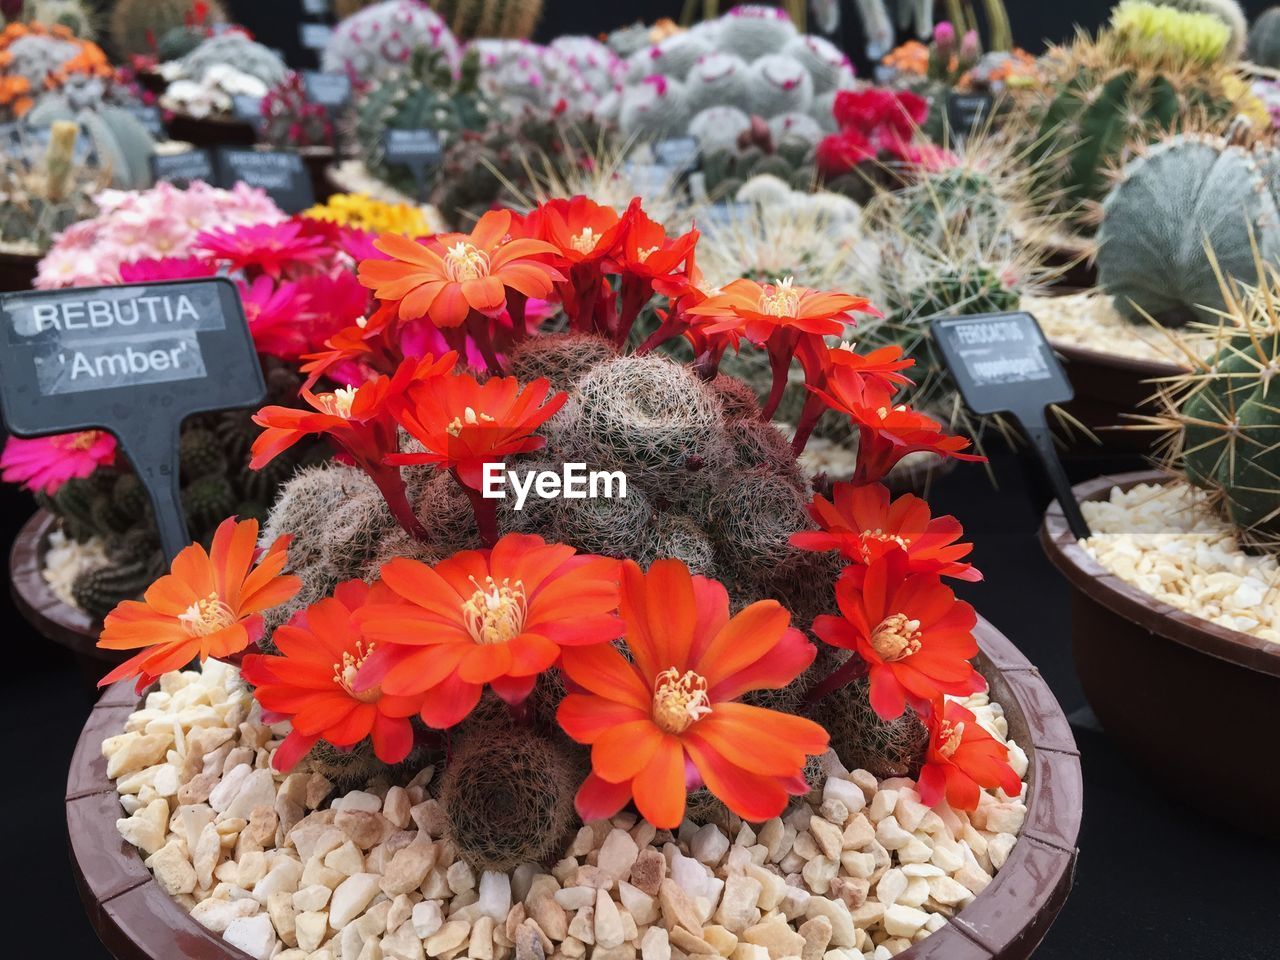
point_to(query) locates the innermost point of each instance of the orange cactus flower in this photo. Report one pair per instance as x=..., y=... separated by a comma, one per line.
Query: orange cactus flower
x=914, y=636
x=863, y=525
x=581, y=230
x=498, y=617
x=464, y=424
x=962, y=759
x=312, y=683
x=453, y=274
x=670, y=716
x=208, y=605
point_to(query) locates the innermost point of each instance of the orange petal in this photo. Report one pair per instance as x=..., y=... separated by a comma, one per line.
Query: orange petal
x=660, y=789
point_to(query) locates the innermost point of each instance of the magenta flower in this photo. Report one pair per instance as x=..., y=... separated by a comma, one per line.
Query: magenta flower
x=268, y=248
x=44, y=464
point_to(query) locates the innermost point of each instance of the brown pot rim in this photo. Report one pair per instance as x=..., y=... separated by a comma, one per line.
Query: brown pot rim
x=138, y=921
x=1138, y=367
x=1125, y=600
x=54, y=619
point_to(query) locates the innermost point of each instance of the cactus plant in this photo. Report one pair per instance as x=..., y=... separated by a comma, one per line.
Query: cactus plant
x=485, y=18
x=1227, y=12
x=123, y=145
x=291, y=120
x=753, y=31
x=1151, y=72
x=44, y=192
x=1186, y=192
x=78, y=16
x=426, y=96
x=1264, y=39
x=237, y=50
x=382, y=40
x=138, y=25
x=35, y=59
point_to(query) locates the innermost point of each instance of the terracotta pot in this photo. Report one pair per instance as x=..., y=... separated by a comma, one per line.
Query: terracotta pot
x=1190, y=701
x=1111, y=391
x=138, y=921
x=17, y=271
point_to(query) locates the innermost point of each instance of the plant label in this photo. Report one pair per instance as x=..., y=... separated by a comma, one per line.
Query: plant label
x=150, y=119
x=1002, y=363
x=680, y=153
x=281, y=174
x=182, y=169
x=314, y=36
x=133, y=359
x=330, y=90
x=968, y=112
x=419, y=150
x=247, y=109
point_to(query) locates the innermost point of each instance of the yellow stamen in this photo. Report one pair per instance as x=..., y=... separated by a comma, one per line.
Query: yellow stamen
x=644, y=255
x=338, y=403
x=207, y=616
x=780, y=299
x=951, y=736
x=495, y=613
x=465, y=261
x=77, y=441
x=880, y=536
x=896, y=637
x=679, y=701
x=469, y=418
x=586, y=241
x=344, y=673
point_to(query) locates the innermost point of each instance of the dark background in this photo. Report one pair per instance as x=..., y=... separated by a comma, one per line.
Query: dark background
x=1155, y=881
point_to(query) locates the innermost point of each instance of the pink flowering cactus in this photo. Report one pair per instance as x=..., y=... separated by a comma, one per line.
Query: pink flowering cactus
x=44, y=464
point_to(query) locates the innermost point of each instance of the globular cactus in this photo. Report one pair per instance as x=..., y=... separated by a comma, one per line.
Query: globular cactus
x=381, y=40
x=752, y=31
x=122, y=144
x=291, y=120
x=136, y=25
x=426, y=96
x=717, y=80
x=654, y=108
x=675, y=57
x=862, y=740
x=489, y=18
x=562, y=359
x=45, y=190
x=827, y=64
x=938, y=203
x=963, y=290
x=1228, y=12
x=727, y=170
x=718, y=128
x=778, y=84
x=508, y=797
x=1264, y=39
x=98, y=590
x=1224, y=414
x=1180, y=196
x=77, y=16
x=36, y=59
x=237, y=50
x=1153, y=71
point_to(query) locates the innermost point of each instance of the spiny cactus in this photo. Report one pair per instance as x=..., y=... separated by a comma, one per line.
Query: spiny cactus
x=725, y=171
x=237, y=50
x=137, y=25
x=44, y=191
x=426, y=96
x=1229, y=12
x=36, y=59
x=1179, y=196
x=1264, y=39
x=489, y=18
x=122, y=144
x=381, y=40
x=1154, y=71
x=291, y=120
x=862, y=740
x=509, y=799
x=1224, y=415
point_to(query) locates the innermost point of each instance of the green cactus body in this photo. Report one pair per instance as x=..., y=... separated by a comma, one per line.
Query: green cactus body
x=122, y=143
x=77, y=16
x=1264, y=39
x=960, y=292
x=1184, y=194
x=136, y=23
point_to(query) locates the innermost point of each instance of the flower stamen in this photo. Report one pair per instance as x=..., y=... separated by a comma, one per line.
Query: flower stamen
x=780, y=299
x=465, y=261
x=896, y=637
x=951, y=735
x=495, y=613
x=469, y=418
x=585, y=242
x=344, y=673
x=679, y=701
x=207, y=616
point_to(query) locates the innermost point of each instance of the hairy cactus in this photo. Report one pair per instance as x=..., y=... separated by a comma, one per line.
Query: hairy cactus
x=752, y=31
x=561, y=359
x=827, y=64
x=862, y=740
x=290, y=120
x=778, y=84
x=36, y=59
x=1264, y=39
x=717, y=80
x=654, y=108
x=381, y=40
x=719, y=128
x=726, y=171
x=1180, y=196
x=426, y=96
x=246, y=55
x=137, y=24
x=509, y=800
x=1154, y=71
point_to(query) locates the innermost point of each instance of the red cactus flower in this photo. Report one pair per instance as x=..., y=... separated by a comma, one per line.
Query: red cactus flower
x=962, y=759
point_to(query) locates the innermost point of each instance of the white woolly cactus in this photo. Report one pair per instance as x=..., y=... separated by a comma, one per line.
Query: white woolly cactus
x=752, y=31
x=236, y=50
x=676, y=55
x=795, y=126
x=600, y=68
x=777, y=84
x=718, y=128
x=826, y=63
x=381, y=39
x=717, y=79
x=654, y=108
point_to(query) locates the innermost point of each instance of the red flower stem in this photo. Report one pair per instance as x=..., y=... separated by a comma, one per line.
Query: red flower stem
x=847, y=672
x=809, y=417
x=391, y=485
x=707, y=365
x=516, y=304
x=485, y=511
x=636, y=292
x=482, y=332
x=780, y=364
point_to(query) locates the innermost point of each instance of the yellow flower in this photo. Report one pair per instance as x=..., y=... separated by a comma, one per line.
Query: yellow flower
x=376, y=216
x=1165, y=32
